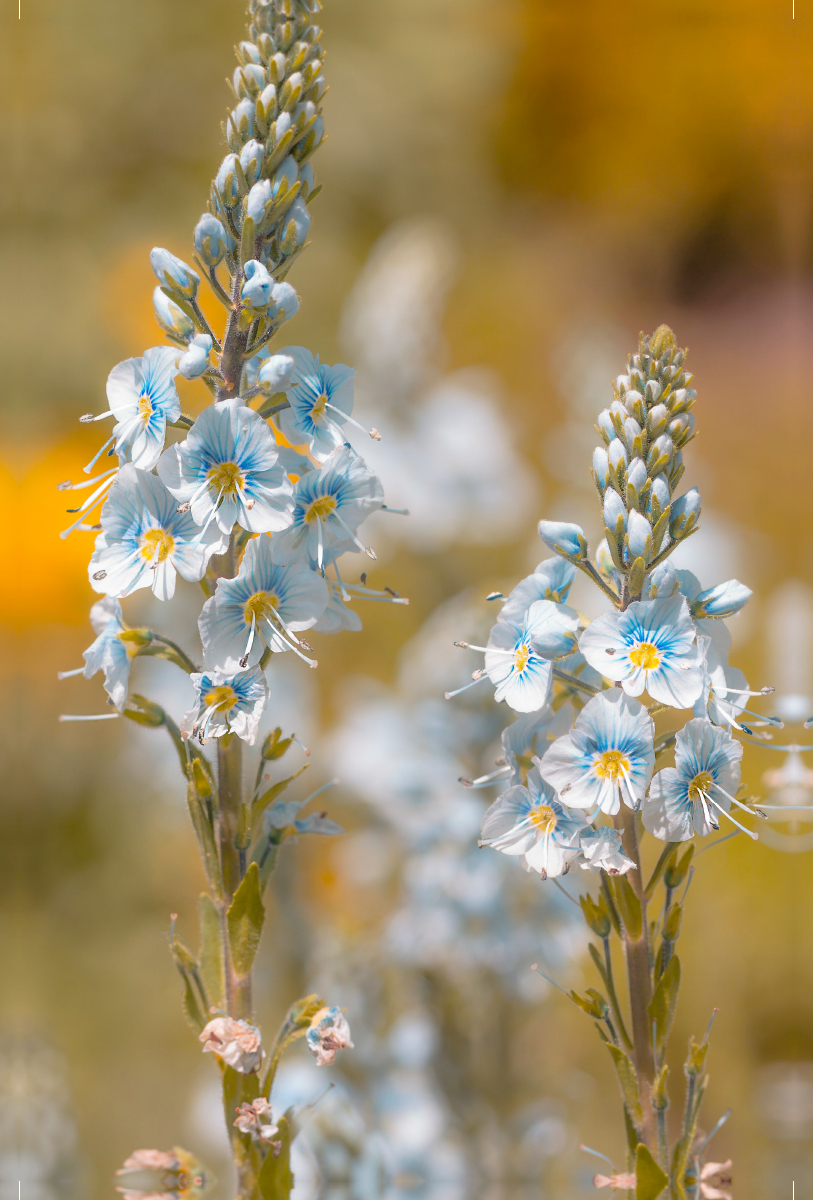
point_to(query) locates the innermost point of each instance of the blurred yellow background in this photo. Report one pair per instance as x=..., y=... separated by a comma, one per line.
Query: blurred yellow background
x=560, y=175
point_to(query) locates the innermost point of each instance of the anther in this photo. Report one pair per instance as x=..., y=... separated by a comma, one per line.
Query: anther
x=479, y=673
x=85, y=418
x=462, y=645
x=100, y=575
x=390, y=592
x=375, y=435
x=364, y=579
x=494, y=596
x=249, y=504
x=183, y=508
x=64, y=486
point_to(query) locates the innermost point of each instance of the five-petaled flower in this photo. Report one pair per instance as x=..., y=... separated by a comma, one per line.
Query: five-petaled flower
x=237, y=1043
x=142, y=397
x=321, y=401
x=520, y=654
x=227, y=471
x=530, y=822
x=226, y=703
x=650, y=645
x=689, y=797
x=608, y=755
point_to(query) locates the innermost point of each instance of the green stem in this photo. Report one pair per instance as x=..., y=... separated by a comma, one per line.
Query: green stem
x=574, y=682
x=230, y=797
x=589, y=570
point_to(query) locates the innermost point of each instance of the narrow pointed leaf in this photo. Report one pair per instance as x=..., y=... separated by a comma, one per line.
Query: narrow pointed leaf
x=211, y=951
x=629, y=1084
x=664, y=1002
x=245, y=921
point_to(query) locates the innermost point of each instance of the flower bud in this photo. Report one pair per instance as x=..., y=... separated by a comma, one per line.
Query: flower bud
x=251, y=160
x=151, y=1174
x=660, y=494
x=276, y=67
x=285, y=301
x=605, y=425
x=296, y=224
x=634, y=404
x=605, y=565
x=681, y=428
x=174, y=274
x=681, y=400
x=240, y=124
x=617, y=455
x=662, y=583
x=306, y=181
x=259, y=202
x=685, y=514
x=286, y=174
x=638, y=541
x=291, y=92
x=275, y=373
x=660, y=452
x=249, y=81
x=636, y=474
x=632, y=437
x=311, y=140
x=653, y=391
x=615, y=515
x=227, y=182
x=258, y=284
x=596, y=915
x=266, y=105
x=196, y=360
x=211, y=240
x=724, y=600
x=656, y=420
x=328, y=1033
x=249, y=53
x=564, y=538
x=279, y=129
x=170, y=317
x=601, y=467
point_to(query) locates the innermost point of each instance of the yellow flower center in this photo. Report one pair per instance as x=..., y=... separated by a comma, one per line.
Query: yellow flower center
x=521, y=656
x=700, y=785
x=318, y=409
x=226, y=478
x=157, y=542
x=320, y=508
x=223, y=697
x=646, y=656
x=259, y=606
x=611, y=764
x=544, y=818
x=144, y=407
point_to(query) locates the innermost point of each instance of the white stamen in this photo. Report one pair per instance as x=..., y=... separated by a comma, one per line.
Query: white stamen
x=465, y=687
x=90, y=717
x=750, y=832
x=87, y=469
x=67, y=674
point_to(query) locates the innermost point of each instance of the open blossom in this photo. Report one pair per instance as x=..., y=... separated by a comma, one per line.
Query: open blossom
x=226, y=703
x=531, y=823
x=227, y=471
x=551, y=580
x=321, y=401
x=142, y=397
x=264, y=606
x=237, y=1043
x=601, y=851
x=256, y=1120
x=328, y=1033
x=329, y=505
x=608, y=755
x=520, y=654
x=145, y=540
x=108, y=653
x=650, y=645
x=688, y=798
x=161, y=1175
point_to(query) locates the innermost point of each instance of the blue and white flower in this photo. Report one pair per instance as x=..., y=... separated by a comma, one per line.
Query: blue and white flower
x=265, y=606
x=652, y=645
x=227, y=471
x=226, y=703
x=329, y=505
x=601, y=851
x=529, y=822
x=689, y=797
x=108, y=653
x=607, y=756
x=321, y=400
x=519, y=655
x=145, y=540
x=550, y=581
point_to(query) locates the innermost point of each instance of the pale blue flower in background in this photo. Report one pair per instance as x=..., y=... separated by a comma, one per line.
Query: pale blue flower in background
x=108, y=652
x=530, y=822
x=174, y=274
x=145, y=540
x=519, y=655
x=227, y=471
x=601, y=851
x=650, y=645
x=321, y=400
x=226, y=703
x=551, y=580
x=329, y=505
x=195, y=361
x=338, y=617
x=564, y=538
x=608, y=755
x=265, y=606
x=688, y=798
x=258, y=284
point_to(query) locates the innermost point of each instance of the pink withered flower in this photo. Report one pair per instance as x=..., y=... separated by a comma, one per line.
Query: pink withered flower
x=328, y=1033
x=715, y=1181
x=625, y=1183
x=237, y=1043
x=256, y=1120
x=162, y=1175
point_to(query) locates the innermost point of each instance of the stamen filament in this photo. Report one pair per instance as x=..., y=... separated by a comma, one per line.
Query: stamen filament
x=68, y=674
x=90, y=717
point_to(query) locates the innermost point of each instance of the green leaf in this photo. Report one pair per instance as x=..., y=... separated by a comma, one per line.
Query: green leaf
x=261, y=803
x=211, y=951
x=664, y=1002
x=629, y=1084
x=650, y=1178
x=193, y=1005
x=635, y=579
x=629, y=907
x=276, y=1180
x=205, y=835
x=245, y=921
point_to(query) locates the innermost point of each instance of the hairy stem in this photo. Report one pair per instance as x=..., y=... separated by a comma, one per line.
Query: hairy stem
x=230, y=797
